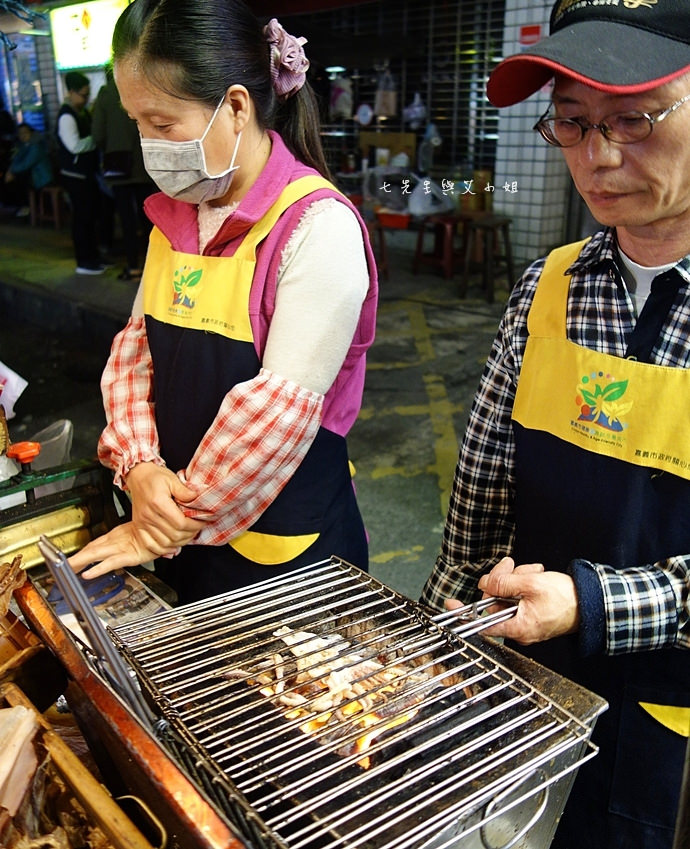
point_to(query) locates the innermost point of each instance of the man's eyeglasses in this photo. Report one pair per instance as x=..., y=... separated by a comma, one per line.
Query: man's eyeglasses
x=621, y=127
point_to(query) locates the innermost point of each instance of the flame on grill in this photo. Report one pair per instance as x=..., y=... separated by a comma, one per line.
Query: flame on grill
x=337, y=691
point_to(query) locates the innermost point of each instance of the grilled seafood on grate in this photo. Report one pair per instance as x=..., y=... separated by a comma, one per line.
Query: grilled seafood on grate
x=329, y=686
x=5, y=440
x=12, y=576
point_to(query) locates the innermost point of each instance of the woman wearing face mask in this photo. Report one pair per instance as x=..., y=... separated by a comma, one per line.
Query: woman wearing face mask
x=230, y=391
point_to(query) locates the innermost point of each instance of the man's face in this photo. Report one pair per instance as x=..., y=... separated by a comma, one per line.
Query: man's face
x=80, y=97
x=636, y=185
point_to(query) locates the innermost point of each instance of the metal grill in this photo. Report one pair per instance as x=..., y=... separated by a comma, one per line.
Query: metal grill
x=460, y=748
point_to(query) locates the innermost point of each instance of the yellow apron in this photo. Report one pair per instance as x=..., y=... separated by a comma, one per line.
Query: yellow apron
x=211, y=293
x=607, y=405
x=598, y=402
x=191, y=291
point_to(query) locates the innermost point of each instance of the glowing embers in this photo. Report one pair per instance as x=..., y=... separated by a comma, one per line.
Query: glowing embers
x=336, y=691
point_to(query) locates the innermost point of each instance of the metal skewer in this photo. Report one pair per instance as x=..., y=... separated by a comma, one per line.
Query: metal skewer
x=467, y=620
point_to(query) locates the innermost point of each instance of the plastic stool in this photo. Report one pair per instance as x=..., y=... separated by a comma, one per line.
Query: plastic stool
x=487, y=227
x=444, y=256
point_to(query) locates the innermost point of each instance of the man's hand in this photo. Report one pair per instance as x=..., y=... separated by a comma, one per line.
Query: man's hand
x=548, y=601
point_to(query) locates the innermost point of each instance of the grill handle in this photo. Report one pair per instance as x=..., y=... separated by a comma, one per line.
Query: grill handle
x=468, y=619
x=489, y=810
x=152, y=818
x=109, y=662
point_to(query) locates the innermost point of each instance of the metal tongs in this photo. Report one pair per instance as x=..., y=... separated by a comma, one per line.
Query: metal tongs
x=107, y=659
x=467, y=620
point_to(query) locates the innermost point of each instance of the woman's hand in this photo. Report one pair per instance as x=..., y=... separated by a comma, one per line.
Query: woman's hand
x=156, y=494
x=120, y=547
x=548, y=601
x=158, y=527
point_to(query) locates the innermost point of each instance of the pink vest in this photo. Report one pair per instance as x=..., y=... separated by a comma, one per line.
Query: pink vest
x=178, y=222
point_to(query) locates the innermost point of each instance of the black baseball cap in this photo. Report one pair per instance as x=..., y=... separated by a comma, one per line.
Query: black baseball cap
x=616, y=46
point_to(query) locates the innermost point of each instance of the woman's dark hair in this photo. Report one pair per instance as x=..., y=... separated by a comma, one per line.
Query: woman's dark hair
x=197, y=49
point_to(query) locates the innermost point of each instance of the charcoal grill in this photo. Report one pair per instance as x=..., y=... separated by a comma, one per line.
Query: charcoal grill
x=481, y=757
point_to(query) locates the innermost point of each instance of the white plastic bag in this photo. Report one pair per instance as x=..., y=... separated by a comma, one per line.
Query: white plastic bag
x=341, y=99
x=427, y=198
x=8, y=469
x=11, y=387
x=415, y=113
x=386, y=97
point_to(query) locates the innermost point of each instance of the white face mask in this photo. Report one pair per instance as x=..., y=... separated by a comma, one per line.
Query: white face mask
x=179, y=168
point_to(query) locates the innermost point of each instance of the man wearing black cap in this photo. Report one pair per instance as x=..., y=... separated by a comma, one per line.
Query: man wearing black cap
x=576, y=461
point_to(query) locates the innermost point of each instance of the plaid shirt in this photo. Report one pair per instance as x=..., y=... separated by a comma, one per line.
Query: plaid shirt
x=653, y=600
x=260, y=435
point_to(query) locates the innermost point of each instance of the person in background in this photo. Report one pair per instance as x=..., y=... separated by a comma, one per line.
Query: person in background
x=8, y=140
x=30, y=166
x=572, y=490
x=230, y=392
x=117, y=137
x=8, y=128
x=78, y=165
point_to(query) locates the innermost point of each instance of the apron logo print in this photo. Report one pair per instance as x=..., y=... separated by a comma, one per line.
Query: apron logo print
x=599, y=400
x=186, y=286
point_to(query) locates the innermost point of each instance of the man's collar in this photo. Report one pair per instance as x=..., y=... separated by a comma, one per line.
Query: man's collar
x=602, y=249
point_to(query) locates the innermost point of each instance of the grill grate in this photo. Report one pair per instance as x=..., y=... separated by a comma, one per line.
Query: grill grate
x=473, y=741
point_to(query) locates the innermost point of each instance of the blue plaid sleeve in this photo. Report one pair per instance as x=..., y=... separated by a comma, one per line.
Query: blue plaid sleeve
x=647, y=607
x=480, y=524
x=635, y=609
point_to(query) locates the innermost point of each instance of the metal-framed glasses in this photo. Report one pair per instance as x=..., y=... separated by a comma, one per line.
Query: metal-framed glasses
x=619, y=127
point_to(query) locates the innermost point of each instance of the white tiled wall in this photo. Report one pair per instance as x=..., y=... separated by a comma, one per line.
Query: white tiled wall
x=538, y=207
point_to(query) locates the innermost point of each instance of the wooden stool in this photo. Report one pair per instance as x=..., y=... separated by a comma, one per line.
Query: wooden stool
x=444, y=255
x=47, y=204
x=487, y=227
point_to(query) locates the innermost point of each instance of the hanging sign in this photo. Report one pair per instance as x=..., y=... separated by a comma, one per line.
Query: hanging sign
x=82, y=33
x=530, y=34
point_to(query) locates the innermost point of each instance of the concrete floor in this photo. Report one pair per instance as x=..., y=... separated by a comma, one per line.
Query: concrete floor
x=422, y=372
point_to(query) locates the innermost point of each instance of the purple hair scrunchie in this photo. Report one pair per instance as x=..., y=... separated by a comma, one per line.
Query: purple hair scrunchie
x=288, y=63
